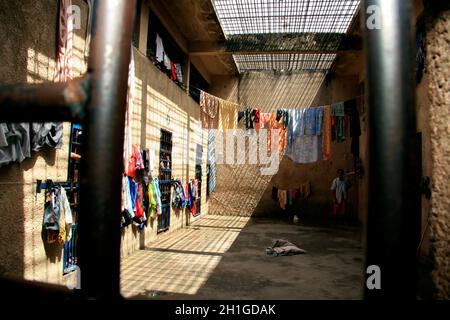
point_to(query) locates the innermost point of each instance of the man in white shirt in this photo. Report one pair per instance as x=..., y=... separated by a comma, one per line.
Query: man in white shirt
x=339, y=189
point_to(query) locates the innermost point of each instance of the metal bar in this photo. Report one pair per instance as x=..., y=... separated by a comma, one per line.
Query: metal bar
x=393, y=173
x=102, y=163
x=63, y=101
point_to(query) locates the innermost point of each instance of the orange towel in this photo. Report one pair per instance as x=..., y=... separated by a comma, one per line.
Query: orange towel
x=326, y=138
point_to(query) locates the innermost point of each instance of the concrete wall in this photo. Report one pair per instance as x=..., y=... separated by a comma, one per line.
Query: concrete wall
x=28, y=34
x=241, y=189
x=438, y=48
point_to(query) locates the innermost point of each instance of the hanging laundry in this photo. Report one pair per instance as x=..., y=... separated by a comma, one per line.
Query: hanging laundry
x=126, y=218
x=178, y=196
x=249, y=118
x=14, y=142
x=62, y=219
x=132, y=195
x=241, y=115
x=228, y=115
x=67, y=212
x=179, y=72
x=338, y=114
x=159, y=49
x=257, y=119
x=265, y=119
x=282, y=198
x=289, y=197
x=139, y=213
x=153, y=200
x=283, y=114
x=209, y=111
x=274, y=124
x=173, y=72
x=158, y=197
x=301, y=147
x=127, y=146
x=211, y=163
x=51, y=219
x=192, y=189
x=46, y=134
x=313, y=121
x=355, y=127
x=326, y=137
x=135, y=163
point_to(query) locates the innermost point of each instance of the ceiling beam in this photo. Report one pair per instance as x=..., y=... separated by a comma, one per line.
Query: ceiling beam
x=278, y=43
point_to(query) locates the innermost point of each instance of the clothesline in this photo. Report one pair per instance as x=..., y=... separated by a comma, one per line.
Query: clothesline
x=220, y=99
x=288, y=108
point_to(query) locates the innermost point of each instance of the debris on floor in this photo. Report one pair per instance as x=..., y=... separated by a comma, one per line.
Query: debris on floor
x=281, y=247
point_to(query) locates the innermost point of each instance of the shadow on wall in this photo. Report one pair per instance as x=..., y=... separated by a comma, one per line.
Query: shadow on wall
x=27, y=56
x=241, y=188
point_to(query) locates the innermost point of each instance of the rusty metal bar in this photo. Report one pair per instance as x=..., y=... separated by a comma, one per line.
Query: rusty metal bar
x=102, y=162
x=393, y=172
x=44, y=102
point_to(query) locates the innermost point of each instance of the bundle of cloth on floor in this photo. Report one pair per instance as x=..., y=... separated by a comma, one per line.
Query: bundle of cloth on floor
x=281, y=247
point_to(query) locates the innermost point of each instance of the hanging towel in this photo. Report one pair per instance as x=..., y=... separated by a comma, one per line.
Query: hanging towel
x=209, y=111
x=228, y=115
x=306, y=149
x=326, y=133
x=277, y=125
x=159, y=49
x=257, y=119
x=282, y=197
x=338, y=109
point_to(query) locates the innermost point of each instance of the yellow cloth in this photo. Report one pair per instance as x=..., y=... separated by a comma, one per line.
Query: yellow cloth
x=62, y=225
x=228, y=113
x=152, y=200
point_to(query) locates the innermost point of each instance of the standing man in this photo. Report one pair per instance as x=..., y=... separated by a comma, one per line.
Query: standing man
x=339, y=189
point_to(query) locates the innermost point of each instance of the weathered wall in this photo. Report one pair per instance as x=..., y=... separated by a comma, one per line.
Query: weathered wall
x=241, y=189
x=28, y=35
x=28, y=55
x=161, y=104
x=438, y=47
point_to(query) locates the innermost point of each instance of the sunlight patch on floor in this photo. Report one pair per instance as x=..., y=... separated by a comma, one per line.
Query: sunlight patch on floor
x=180, y=262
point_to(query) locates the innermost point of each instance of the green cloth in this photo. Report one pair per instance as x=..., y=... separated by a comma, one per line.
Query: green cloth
x=338, y=109
x=340, y=131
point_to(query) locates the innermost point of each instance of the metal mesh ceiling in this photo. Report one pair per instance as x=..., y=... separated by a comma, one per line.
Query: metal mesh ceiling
x=285, y=16
x=284, y=62
x=319, y=20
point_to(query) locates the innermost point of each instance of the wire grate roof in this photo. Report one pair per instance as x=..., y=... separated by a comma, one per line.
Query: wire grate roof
x=285, y=25
x=285, y=16
x=284, y=62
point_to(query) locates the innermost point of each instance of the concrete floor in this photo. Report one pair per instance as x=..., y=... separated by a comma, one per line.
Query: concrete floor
x=222, y=257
